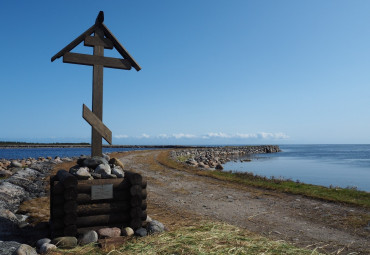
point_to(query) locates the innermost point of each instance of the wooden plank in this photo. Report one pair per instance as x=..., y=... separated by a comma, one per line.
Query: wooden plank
x=70, y=206
x=134, y=178
x=136, y=190
x=74, y=43
x=118, y=184
x=70, y=219
x=92, y=41
x=90, y=60
x=88, y=221
x=117, y=196
x=70, y=230
x=124, y=53
x=97, y=124
x=104, y=208
x=70, y=194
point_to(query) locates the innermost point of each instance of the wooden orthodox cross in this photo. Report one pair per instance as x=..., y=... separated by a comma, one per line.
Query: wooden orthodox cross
x=102, y=39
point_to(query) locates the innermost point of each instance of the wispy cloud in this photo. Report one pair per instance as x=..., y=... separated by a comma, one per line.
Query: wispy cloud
x=213, y=135
x=121, y=136
x=144, y=136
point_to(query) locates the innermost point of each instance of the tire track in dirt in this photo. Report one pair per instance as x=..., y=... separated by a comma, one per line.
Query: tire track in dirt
x=296, y=219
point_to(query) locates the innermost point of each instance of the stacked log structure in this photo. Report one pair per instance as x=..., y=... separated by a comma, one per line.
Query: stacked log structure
x=73, y=210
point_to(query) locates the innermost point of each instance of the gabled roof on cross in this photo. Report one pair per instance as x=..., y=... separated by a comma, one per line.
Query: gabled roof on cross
x=107, y=33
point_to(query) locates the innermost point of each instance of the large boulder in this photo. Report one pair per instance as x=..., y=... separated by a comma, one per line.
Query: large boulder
x=117, y=162
x=88, y=237
x=8, y=247
x=94, y=162
x=65, y=242
x=103, y=169
x=11, y=195
x=25, y=249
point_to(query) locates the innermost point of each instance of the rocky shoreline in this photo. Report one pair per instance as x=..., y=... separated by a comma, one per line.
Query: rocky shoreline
x=212, y=158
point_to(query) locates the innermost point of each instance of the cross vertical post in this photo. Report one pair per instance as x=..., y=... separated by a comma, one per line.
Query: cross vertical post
x=97, y=96
x=102, y=39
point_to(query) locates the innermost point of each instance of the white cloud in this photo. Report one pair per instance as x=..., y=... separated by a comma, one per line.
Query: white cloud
x=120, y=136
x=181, y=135
x=144, y=136
x=220, y=134
x=213, y=135
x=163, y=136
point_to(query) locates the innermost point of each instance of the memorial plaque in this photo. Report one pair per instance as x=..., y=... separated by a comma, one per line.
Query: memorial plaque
x=104, y=191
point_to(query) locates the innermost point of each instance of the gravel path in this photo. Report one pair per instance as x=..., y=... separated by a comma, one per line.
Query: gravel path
x=302, y=221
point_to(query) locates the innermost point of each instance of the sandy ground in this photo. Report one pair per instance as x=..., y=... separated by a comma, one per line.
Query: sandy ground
x=178, y=197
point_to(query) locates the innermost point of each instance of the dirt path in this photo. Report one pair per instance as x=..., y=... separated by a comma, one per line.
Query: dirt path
x=299, y=220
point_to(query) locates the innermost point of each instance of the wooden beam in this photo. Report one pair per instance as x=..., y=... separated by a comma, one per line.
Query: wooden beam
x=74, y=43
x=92, y=41
x=120, y=48
x=91, y=118
x=90, y=60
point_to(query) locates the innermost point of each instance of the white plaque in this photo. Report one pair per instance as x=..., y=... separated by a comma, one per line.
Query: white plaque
x=104, y=191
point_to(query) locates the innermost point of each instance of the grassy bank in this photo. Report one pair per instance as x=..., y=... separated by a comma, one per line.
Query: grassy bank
x=349, y=196
x=202, y=238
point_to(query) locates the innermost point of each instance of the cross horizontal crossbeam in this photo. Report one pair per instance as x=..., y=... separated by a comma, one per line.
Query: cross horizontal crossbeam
x=90, y=60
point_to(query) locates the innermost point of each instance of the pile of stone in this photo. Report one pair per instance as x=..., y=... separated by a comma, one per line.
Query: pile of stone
x=9, y=167
x=212, y=158
x=101, y=237
x=89, y=168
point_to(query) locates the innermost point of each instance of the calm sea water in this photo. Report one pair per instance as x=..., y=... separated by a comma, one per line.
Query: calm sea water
x=337, y=165
x=20, y=153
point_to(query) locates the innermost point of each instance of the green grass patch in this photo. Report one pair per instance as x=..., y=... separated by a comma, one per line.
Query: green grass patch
x=349, y=196
x=203, y=238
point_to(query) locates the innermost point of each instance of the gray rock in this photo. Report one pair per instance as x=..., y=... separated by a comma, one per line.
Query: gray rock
x=46, y=248
x=109, y=176
x=118, y=171
x=42, y=241
x=25, y=249
x=154, y=227
x=219, y=167
x=106, y=156
x=94, y=162
x=127, y=231
x=96, y=176
x=81, y=160
x=12, y=195
x=26, y=179
x=83, y=173
x=8, y=247
x=103, y=169
x=141, y=232
x=88, y=237
x=201, y=165
x=15, y=163
x=116, y=162
x=5, y=173
x=109, y=232
x=65, y=242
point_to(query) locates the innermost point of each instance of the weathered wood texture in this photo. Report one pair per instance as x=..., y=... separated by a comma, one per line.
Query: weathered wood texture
x=73, y=210
x=97, y=124
x=92, y=41
x=91, y=60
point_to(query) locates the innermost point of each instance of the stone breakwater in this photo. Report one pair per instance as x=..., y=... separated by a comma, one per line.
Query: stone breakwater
x=214, y=157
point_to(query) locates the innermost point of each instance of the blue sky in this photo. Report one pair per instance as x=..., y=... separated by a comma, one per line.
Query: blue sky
x=213, y=72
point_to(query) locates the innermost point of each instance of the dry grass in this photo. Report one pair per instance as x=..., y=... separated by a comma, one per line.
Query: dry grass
x=202, y=238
